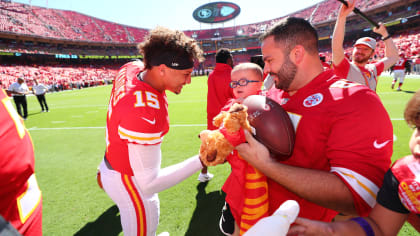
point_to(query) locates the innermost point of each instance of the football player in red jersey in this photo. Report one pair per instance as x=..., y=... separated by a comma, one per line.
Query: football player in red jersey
x=137, y=120
x=344, y=135
x=21, y=200
x=399, y=72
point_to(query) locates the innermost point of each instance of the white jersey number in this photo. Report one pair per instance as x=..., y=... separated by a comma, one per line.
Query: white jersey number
x=151, y=99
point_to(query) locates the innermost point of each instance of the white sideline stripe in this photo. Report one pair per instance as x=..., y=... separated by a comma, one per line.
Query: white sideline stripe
x=103, y=127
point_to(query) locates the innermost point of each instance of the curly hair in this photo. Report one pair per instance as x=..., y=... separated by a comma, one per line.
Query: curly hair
x=162, y=40
x=412, y=111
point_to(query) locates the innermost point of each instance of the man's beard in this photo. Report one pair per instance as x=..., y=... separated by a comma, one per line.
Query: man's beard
x=285, y=75
x=360, y=60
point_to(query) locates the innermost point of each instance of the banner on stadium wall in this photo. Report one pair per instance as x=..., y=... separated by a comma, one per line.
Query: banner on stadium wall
x=216, y=12
x=109, y=57
x=7, y=54
x=65, y=56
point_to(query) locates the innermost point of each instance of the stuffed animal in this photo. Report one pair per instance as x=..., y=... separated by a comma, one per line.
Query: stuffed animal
x=278, y=224
x=216, y=145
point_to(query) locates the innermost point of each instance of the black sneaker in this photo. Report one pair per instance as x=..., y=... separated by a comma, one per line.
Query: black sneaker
x=227, y=222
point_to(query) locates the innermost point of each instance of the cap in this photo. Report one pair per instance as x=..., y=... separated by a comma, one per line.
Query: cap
x=368, y=41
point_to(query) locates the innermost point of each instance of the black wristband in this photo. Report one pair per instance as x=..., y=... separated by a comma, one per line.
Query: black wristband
x=387, y=37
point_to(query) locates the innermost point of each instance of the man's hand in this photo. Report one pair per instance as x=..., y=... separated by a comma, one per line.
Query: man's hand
x=381, y=30
x=253, y=151
x=306, y=227
x=346, y=10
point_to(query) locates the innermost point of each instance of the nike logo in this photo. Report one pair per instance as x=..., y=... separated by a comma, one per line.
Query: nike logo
x=380, y=145
x=152, y=122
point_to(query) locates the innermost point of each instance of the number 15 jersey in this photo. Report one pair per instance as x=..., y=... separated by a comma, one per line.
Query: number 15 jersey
x=137, y=113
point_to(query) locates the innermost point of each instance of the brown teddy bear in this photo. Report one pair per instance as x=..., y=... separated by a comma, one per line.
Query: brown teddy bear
x=216, y=145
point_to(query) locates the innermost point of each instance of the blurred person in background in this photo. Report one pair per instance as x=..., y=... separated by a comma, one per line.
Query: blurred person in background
x=40, y=90
x=19, y=90
x=359, y=70
x=218, y=93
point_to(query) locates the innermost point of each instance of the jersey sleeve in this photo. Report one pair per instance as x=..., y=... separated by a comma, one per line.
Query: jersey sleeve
x=388, y=194
x=342, y=69
x=360, y=144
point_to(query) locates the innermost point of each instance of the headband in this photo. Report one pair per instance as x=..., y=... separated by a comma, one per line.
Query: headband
x=177, y=61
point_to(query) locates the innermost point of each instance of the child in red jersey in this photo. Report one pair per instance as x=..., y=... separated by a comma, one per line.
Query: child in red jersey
x=246, y=80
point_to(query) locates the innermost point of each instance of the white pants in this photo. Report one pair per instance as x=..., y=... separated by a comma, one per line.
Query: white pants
x=399, y=74
x=136, y=196
x=139, y=212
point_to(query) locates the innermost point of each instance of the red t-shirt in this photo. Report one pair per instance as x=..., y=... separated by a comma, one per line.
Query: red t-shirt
x=20, y=196
x=219, y=91
x=341, y=127
x=137, y=113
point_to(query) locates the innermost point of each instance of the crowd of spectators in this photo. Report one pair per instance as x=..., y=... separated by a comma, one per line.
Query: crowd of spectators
x=59, y=77
x=63, y=24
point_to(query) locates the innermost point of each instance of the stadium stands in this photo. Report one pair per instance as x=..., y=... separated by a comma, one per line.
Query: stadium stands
x=36, y=31
x=63, y=76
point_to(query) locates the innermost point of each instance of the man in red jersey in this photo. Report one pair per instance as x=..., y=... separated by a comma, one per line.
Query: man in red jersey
x=218, y=93
x=344, y=135
x=137, y=120
x=21, y=200
x=359, y=70
x=399, y=72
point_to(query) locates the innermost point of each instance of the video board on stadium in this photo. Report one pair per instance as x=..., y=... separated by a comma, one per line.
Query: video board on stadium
x=216, y=12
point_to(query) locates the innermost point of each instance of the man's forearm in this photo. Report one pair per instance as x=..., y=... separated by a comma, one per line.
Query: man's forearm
x=391, y=52
x=321, y=187
x=337, y=40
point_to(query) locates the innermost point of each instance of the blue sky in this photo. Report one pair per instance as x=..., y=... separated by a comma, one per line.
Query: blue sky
x=174, y=14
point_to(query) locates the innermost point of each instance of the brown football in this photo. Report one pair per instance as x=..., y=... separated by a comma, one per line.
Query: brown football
x=272, y=125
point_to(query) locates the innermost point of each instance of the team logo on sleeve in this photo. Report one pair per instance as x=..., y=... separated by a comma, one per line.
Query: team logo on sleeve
x=409, y=193
x=409, y=187
x=313, y=100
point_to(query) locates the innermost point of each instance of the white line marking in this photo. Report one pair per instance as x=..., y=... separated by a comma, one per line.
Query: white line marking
x=103, y=127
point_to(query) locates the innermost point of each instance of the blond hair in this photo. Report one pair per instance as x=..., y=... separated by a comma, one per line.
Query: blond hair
x=255, y=68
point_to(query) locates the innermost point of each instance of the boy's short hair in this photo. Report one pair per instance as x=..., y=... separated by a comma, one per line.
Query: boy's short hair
x=255, y=68
x=222, y=55
x=412, y=111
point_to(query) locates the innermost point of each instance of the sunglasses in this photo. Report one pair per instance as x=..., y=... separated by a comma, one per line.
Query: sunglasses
x=241, y=82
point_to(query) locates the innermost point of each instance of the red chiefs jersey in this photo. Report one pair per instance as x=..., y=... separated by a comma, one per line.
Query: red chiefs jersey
x=19, y=192
x=137, y=113
x=400, y=65
x=341, y=127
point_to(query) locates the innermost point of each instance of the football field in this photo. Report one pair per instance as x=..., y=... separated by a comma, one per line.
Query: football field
x=69, y=144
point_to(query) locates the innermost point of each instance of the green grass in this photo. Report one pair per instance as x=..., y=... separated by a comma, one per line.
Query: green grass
x=70, y=141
